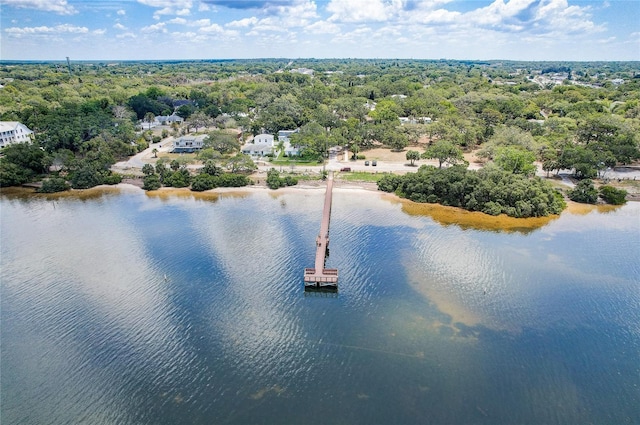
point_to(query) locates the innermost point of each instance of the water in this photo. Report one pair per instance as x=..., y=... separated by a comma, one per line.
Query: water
x=119, y=307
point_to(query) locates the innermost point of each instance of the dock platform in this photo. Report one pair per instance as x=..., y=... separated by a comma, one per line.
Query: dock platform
x=319, y=276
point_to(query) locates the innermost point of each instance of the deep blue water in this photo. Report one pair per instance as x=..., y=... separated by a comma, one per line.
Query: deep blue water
x=127, y=308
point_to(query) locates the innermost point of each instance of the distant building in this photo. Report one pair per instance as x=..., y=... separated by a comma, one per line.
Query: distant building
x=188, y=144
x=168, y=119
x=415, y=120
x=305, y=71
x=14, y=132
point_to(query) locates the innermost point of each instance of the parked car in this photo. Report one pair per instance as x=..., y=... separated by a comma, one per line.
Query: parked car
x=374, y=163
x=346, y=169
x=366, y=163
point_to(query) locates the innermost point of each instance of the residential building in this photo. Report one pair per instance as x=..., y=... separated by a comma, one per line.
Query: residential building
x=188, y=144
x=168, y=119
x=283, y=136
x=263, y=139
x=257, y=150
x=261, y=145
x=14, y=132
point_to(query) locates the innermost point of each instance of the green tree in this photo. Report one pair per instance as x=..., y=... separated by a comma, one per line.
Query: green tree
x=149, y=117
x=25, y=155
x=612, y=195
x=179, y=178
x=273, y=179
x=413, y=156
x=445, y=152
x=203, y=182
x=53, y=185
x=12, y=174
x=86, y=177
x=212, y=169
x=152, y=182
x=584, y=192
x=222, y=141
x=241, y=163
x=147, y=169
x=515, y=160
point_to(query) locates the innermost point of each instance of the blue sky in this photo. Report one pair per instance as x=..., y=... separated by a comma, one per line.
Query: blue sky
x=219, y=29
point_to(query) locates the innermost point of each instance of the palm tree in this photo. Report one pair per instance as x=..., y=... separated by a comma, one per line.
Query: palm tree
x=155, y=152
x=149, y=117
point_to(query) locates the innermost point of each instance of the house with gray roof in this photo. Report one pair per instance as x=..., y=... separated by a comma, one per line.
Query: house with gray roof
x=14, y=132
x=188, y=144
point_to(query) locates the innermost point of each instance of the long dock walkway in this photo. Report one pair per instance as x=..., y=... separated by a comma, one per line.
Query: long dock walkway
x=319, y=276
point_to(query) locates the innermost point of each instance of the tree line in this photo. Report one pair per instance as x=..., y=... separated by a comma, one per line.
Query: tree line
x=86, y=120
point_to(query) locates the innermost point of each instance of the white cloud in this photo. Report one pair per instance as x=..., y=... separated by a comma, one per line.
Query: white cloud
x=99, y=32
x=156, y=28
x=45, y=30
x=122, y=12
x=323, y=27
x=243, y=23
x=169, y=7
x=179, y=21
x=126, y=35
x=360, y=10
x=202, y=22
x=58, y=6
x=177, y=4
x=119, y=26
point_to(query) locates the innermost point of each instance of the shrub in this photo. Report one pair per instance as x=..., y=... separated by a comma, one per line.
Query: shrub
x=179, y=178
x=152, y=182
x=490, y=190
x=147, y=169
x=584, y=192
x=86, y=177
x=614, y=196
x=203, y=182
x=232, y=180
x=113, y=179
x=54, y=184
x=156, y=139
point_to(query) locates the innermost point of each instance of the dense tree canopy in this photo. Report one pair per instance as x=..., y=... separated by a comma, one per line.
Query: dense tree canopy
x=490, y=190
x=585, y=124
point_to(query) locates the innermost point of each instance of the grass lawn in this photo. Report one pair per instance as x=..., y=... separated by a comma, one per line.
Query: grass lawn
x=360, y=176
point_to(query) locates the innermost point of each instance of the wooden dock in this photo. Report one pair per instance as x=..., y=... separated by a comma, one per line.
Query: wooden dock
x=319, y=276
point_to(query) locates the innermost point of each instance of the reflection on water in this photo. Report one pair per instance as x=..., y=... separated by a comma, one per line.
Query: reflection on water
x=174, y=307
x=472, y=219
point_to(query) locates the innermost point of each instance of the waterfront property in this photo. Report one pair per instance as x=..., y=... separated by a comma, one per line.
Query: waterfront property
x=188, y=144
x=14, y=132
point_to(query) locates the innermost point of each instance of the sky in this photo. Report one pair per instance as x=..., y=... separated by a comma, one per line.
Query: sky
x=226, y=29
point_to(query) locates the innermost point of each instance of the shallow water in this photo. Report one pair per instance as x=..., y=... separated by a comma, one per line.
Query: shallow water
x=121, y=307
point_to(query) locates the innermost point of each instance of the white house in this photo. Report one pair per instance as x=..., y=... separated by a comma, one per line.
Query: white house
x=167, y=119
x=188, y=144
x=263, y=139
x=14, y=132
x=261, y=145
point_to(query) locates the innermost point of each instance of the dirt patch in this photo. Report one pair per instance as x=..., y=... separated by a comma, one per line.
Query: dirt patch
x=381, y=154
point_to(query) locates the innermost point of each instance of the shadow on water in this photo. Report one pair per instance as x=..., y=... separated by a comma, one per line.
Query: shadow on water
x=321, y=291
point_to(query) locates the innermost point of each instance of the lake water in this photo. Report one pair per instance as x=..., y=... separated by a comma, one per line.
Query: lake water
x=123, y=307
